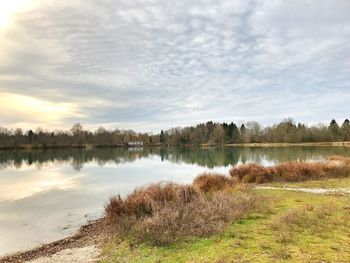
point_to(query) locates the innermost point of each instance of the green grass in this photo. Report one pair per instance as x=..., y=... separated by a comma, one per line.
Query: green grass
x=326, y=184
x=297, y=227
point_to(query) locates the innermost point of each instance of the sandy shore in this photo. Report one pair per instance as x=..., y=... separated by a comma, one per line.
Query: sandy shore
x=82, y=247
x=77, y=255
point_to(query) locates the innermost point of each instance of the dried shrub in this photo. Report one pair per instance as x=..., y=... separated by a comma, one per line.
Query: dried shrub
x=299, y=171
x=164, y=213
x=115, y=208
x=253, y=173
x=142, y=201
x=335, y=167
x=212, y=182
x=339, y=161
x=203, y=216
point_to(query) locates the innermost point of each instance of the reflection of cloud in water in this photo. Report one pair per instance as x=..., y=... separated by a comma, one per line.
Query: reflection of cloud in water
x=14, y=186
x=43, y=217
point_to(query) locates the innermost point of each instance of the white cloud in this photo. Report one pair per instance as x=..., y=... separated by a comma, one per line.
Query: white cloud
x=136, y=63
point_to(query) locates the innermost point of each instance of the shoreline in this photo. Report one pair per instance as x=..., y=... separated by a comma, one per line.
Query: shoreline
x=312, y=144
x=90, y=234
x=260, y=144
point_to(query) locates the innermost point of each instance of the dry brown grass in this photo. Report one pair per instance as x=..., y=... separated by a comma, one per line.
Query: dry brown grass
x=335, y=167
x=164, y=213
x=300, y=171
x=141, y=203
x=252, y=173
x=203, y=216
x=339, y=160
x=212, y=182
x=143, y=200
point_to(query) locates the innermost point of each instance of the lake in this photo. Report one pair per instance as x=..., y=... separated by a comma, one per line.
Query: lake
x=47, y=195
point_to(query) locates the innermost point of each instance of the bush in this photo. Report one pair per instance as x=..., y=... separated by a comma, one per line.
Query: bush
x=203, y=216
x=339, y=161
x=300, y=171
x=142, y=201
x=335, y=167
x=115, y=208
x=163, y=213
x=212, y=182
x=253, y=173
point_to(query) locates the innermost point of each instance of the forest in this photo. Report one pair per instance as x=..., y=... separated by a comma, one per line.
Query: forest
x=212, y=133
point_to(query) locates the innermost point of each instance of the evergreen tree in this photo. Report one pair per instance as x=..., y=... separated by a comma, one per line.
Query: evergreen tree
x=161, y=137
x=243, y=137
x=334, y=130
x=30, y=136
x=243, y=128
x=235, y=133
x=345, y=130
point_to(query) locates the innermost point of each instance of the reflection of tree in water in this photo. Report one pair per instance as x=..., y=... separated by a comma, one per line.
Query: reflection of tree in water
x=18, y=163
x=75, y=157
x=77, y=166
x=285, y=154
x=210, y=157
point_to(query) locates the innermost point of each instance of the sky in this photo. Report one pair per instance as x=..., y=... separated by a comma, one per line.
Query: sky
x=154, y=64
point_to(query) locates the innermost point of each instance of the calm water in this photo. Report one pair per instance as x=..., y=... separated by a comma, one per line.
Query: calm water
x=47, y=195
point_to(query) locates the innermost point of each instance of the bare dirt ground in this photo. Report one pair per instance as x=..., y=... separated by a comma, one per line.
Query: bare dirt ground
x=82, y=247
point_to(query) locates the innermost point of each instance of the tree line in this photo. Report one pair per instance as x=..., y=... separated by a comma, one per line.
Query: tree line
x=286, y=131
x=210, y=132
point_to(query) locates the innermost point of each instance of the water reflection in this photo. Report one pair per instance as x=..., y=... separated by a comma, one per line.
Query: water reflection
x=211, y=157
x=47, y=195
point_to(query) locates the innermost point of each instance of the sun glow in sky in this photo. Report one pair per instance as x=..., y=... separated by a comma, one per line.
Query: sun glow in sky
x=34, y=109
x=8, y=8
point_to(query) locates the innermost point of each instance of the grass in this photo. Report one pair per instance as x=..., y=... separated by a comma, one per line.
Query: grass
x=298, y=227
x=324, y=183
x=274, y=225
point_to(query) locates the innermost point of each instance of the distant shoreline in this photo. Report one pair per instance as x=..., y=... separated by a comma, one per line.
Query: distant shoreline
x=91, y=146
x=73, y=146
x=338, y=144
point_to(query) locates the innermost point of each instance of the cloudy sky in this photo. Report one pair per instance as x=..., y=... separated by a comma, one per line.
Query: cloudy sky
x=155, y=64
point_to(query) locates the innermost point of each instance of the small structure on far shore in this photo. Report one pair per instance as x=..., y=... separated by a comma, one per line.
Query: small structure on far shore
x=135, y=144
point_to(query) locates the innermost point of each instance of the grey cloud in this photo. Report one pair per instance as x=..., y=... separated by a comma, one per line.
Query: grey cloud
x=137, y=63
